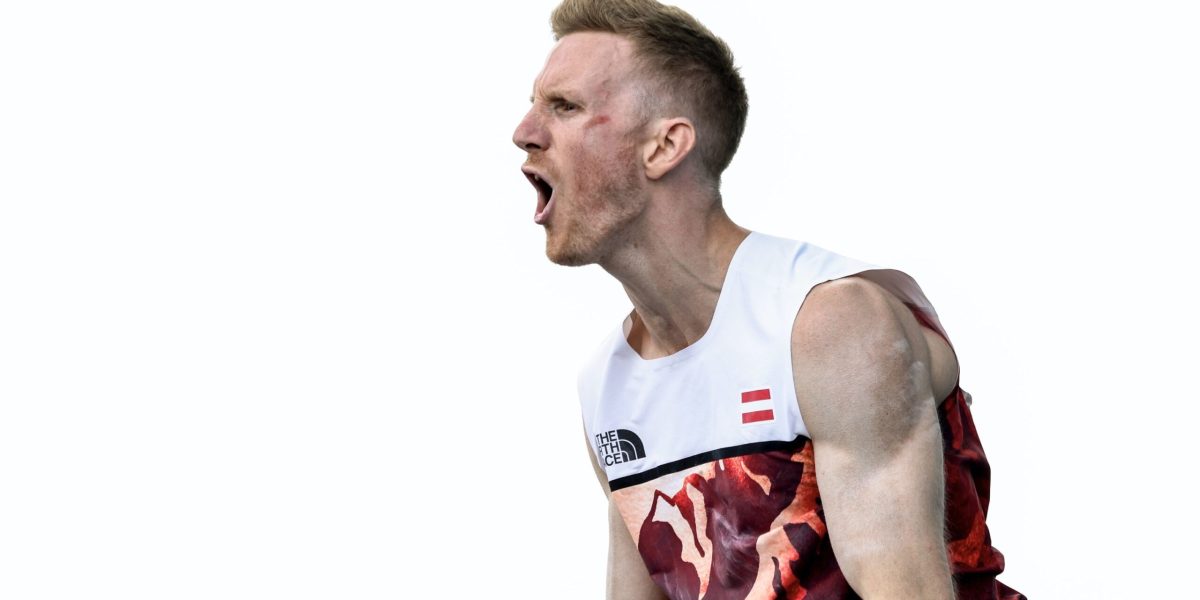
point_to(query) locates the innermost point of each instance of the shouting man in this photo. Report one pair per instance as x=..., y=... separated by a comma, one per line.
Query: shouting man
x=772, y=419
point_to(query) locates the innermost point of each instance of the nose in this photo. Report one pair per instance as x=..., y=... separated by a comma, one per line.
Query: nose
x=530, y=134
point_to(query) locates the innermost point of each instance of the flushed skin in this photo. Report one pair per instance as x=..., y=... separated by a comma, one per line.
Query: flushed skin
x=629, y=195
x=581, y=137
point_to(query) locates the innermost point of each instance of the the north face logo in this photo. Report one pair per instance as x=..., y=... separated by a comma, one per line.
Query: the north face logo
x=619, y=446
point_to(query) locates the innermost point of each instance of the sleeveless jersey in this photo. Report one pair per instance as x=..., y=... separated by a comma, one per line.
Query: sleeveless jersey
x=708, y=458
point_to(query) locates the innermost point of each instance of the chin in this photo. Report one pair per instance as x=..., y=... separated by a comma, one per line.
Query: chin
x=566, y=254
x=568, y=259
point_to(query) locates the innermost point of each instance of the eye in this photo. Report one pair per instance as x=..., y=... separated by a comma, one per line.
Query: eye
x=563, y=106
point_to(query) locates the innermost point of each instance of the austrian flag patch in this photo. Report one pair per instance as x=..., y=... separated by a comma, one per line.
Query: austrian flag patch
x=755, y=405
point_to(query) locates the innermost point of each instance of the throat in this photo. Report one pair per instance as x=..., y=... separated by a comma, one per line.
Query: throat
x=676, y=291
x=677, y=318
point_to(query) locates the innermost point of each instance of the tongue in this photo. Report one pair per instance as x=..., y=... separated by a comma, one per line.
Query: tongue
x=540, y=217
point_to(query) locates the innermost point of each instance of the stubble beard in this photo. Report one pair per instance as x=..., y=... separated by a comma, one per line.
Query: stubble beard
x=606, y=201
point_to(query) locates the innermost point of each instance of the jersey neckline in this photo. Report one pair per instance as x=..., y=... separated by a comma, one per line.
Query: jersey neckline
x=624, y=348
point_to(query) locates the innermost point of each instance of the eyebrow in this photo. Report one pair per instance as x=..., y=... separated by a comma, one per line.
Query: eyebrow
x=551, y=96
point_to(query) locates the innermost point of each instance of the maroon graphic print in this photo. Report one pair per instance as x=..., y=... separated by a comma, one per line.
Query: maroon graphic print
x=752, y=526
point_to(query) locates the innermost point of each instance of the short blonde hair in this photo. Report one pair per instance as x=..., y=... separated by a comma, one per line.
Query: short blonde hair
x=692, y=66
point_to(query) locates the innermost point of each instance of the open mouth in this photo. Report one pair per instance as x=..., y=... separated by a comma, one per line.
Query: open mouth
x=545, y=192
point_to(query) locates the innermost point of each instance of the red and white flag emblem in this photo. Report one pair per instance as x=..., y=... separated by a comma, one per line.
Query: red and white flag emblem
x=753, y=403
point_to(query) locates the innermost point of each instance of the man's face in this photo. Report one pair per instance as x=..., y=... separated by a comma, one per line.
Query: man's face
x=582, y=137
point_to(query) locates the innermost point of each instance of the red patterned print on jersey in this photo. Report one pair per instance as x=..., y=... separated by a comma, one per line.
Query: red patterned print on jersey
x=752, y=526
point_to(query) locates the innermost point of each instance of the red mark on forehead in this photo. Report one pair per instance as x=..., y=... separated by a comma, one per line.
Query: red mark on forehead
x=598, y=120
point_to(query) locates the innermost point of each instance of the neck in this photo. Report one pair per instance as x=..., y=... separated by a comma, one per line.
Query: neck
x=673, y=270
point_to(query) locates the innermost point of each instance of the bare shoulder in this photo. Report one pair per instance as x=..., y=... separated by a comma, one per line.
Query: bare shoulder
x=843, y=310
x=854, y=341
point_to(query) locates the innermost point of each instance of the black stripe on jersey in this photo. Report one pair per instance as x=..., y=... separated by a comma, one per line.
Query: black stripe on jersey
x=703, y=457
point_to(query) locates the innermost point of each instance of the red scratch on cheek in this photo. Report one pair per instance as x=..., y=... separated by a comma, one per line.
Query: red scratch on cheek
x=598, y=120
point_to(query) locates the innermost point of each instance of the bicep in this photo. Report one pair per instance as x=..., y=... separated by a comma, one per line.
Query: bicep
x=864, y=386
x=886, y=518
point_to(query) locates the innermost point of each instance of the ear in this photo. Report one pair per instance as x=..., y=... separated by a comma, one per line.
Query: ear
x=672, y=142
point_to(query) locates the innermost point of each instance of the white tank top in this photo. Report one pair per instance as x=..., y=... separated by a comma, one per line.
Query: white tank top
x=730, y=389
x=706, y=451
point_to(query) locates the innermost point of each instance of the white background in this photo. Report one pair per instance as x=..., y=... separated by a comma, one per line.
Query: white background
x=275, y=320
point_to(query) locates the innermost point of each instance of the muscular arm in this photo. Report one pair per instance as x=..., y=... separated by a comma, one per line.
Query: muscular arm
x=862, y=368
x=627, y=578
